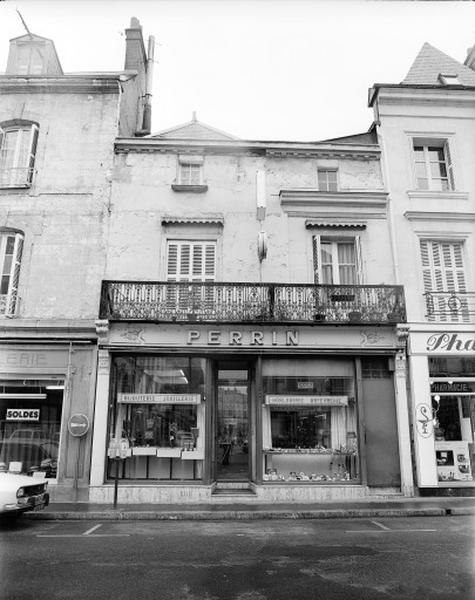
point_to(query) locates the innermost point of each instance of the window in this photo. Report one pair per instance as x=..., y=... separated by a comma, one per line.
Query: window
x=433, y=166
x=17, y=154
x=191, y=174
x=11, y=246
x=191, y=261
x=309, y=420
x=444, y=274
x=337, y=261
x=195, y=262
x=449, y=79
x=158, y=406
x=327, y=180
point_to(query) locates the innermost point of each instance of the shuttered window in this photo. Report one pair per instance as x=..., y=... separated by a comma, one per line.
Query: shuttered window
x=11, y=248
x=337, y=261
x=191, y=261
x=443, y=271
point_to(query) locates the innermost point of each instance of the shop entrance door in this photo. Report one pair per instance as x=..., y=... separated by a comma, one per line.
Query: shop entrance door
x=232, y=421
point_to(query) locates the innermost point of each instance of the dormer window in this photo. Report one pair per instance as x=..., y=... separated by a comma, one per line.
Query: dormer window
x=449, y=79
x=18, y=141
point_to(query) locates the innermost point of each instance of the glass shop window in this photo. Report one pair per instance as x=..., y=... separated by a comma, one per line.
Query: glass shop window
x=309, y=421
x=30, y=425
x=159, y=410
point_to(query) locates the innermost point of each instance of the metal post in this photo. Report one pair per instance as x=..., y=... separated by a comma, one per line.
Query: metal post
x=116, y=480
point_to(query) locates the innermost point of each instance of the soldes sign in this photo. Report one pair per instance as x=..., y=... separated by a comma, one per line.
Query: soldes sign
x=23, y=414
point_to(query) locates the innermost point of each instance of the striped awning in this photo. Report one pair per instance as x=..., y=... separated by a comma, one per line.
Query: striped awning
x=335, y=224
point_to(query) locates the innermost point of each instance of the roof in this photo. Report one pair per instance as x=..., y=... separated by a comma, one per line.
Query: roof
x=431, y=62
x=194, y=130
x=368, y=137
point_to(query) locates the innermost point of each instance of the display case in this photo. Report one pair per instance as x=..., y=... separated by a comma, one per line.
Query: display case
x=309, y=422
x=159, y=409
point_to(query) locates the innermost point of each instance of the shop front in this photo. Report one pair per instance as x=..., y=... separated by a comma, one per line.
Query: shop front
x=443, y=376
x=41, y=387
x=281, y=414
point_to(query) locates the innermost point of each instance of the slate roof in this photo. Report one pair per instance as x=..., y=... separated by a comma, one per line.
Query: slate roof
x=194, y=130
x=431, y=62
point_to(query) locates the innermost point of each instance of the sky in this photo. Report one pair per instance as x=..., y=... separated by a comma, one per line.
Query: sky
x=258, y=69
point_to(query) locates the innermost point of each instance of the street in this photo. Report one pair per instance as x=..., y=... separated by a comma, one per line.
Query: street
x=347, y=559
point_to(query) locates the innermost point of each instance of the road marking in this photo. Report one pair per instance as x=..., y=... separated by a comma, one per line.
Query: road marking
x=381, y=525
x=89, y=531
x=390, y=530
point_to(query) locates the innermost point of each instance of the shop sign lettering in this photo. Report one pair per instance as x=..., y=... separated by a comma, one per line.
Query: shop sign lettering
x=159, y=398
x=424, y=420
x=281, y=400
x=23, y=414
x=239, y=338
x=23, y=359
x=442, y=387
x=450, y=342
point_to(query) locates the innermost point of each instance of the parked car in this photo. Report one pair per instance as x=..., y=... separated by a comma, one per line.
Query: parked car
x=20, y=493
x=33, y=456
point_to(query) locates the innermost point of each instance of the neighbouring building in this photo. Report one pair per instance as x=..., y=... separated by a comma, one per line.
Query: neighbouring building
x=426, y=128
x=251, y=335
x=57, y=132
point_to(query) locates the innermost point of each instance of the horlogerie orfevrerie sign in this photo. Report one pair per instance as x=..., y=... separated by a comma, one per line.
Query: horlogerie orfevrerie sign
x=159, y=398
x=281, y=400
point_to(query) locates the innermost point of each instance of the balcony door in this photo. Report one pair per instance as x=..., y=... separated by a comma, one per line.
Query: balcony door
x=232, y=421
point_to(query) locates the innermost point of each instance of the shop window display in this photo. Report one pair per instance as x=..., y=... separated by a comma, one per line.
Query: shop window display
x=30, y=425
x=309, y=421
x=158, y=409
x=453, y=409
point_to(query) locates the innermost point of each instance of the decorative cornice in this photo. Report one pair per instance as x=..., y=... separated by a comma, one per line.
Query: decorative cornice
x=177, y=220
x=257, y=148
x=47, y=329
x=324, y=223
x=327, y=205
x=61, y=85
x=420, y=215
x=433, y=195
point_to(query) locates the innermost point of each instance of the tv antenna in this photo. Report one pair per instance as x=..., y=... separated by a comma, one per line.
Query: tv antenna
x=24, y=24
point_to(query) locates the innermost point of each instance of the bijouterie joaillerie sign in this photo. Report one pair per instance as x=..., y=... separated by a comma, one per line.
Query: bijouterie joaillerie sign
x=450, y=342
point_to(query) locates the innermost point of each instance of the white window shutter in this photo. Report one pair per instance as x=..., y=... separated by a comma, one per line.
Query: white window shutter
x=33, y=143
x=317, y=258
x=172, y=262
x=15, y=275
x=450, y=170
x=191, y=261
x=359, y=261
x=426, y=265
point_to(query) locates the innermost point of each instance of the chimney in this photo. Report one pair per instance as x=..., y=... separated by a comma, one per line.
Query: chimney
x=135, y=57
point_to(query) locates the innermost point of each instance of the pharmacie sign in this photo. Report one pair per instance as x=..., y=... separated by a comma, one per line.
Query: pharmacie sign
x=159, y=398
x=450, y=342
x=295, y=400
x=23, y=414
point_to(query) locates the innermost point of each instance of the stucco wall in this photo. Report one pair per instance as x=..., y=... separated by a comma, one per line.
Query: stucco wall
x=142, y=196
x=63, y=213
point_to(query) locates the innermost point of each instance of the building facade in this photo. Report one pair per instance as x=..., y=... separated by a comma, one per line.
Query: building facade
x=251, y=339
x=56, y=157
x=426, y=128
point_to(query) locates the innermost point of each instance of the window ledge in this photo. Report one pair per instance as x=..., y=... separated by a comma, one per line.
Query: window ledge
x=195, y=189
x=436, y=195
x=16, y=186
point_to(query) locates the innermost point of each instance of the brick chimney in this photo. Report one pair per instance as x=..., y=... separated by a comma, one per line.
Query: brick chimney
x=135, y=57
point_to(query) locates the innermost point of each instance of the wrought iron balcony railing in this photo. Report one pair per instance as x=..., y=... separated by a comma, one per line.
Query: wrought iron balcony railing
x=450, y=307
x=214, y=302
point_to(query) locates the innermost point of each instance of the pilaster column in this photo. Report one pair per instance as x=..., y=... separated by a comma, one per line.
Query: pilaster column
x=99, y=441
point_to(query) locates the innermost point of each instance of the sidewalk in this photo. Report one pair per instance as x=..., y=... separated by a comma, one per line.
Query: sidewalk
x=400, y=507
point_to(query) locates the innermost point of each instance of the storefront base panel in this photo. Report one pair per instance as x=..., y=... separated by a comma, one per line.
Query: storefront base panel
x=447, y=491
x=141, y=494
x=200, y=494
x=320, y=493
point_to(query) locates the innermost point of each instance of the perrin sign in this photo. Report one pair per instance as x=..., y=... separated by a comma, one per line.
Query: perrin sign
x=23, y=414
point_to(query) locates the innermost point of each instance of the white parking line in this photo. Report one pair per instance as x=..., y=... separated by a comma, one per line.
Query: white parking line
x=89, y=531
x=86, y=533
x=381, y=525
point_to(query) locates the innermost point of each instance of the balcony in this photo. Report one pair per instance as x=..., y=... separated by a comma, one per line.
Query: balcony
x=450, y=307
x=212, y=302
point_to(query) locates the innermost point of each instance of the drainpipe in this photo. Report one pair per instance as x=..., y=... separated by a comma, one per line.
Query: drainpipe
x=147, y=109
